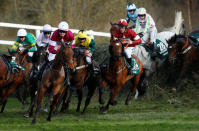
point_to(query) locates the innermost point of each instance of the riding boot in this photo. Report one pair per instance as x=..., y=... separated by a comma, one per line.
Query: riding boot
x=94, y=69
x=130, y=61
x=67, y=80
x=38, y=75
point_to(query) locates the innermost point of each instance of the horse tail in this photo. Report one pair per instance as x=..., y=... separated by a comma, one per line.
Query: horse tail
x=177, y=28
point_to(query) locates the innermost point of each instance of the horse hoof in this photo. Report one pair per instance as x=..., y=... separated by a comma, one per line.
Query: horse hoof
x=26, y=115
x=45, y=109
x=127, y=103
x=33, y=122
x=48, y=119
x=113, y=102
x=105, y=112
x=101, y=101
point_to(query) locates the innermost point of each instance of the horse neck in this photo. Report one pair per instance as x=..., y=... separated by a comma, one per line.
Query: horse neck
x=115, y=64
x=57, y=63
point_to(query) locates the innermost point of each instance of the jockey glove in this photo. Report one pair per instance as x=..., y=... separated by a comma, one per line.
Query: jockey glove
x=24, y=52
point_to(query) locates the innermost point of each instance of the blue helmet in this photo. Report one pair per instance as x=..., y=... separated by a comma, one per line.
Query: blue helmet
x=130, y=6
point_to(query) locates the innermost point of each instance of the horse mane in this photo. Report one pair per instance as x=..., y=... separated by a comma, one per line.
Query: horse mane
x=173, y=38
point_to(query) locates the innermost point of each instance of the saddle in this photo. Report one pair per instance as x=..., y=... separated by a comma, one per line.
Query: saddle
x=160, y=48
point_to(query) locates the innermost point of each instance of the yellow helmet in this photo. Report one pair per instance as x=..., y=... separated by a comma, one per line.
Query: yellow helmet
x=82, y=34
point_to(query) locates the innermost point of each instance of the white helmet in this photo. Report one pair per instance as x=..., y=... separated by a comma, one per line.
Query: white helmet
x=63, y=26
x=21, y=32
x=47, y=28
x=142, y=11
x=130, y=6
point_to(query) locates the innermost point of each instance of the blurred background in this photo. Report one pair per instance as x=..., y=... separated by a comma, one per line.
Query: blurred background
x=92, y=14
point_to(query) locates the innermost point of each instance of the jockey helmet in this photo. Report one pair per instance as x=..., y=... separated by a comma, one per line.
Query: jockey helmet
x=63, y=26
x=141, y=11
x=82, y=34
x=47, y=28
x=123, y=22
x=21, y=32
x=130, y=6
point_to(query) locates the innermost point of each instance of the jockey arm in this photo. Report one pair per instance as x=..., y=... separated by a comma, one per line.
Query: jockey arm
x=52, y=49
x=15, y=46
x=136, y=40
x=92, y=46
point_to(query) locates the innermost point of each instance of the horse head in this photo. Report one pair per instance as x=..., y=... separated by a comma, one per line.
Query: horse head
x=176, y=46
x=114, y=29
x=66, y=55
x=116, y=48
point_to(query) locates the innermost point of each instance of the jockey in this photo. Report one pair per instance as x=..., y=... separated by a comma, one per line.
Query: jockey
x=132, y=14
x=83, y=40
x=44, y=38
x=134, y=40
x=26, y=42
x=62, y=34
x=145, y=25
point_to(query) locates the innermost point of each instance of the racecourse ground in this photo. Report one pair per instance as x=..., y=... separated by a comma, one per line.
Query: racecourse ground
x=141, y=115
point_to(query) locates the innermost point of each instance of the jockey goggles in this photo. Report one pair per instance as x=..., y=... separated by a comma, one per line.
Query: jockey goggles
x=80, y=39
x=47, y=32
x=21, y=37
x=62, y=31
x=141, y=15
x=131, y=10
x=122, y=26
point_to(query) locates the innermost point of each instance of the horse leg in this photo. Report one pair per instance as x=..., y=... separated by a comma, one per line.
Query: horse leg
x=50, y=96
x=91, y=90
x=133, y=90
x=79, y=92
x=19, y=97
x=69, y=99
x=40, y=98
x=64, y=101
x=114, y=92
x=101, y=90
x=33, y=94
x=54, y=103
x=61, y=100
x=3, y=105
x=27, y=84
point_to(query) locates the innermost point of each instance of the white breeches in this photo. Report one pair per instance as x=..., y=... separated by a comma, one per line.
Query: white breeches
x=88, y=58
x=51, y=56
x=152, y=33
x=129, y=51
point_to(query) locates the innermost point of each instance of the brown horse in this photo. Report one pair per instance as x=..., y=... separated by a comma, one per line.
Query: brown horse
x=53, y=79
x=183, y=53
x=80, y=78
x=8, y=80
x=116, y=74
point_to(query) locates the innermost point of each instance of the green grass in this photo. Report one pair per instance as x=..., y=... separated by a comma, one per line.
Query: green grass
x=140, y=115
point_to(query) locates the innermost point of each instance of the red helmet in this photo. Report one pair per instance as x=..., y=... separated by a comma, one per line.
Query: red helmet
x=123, y=22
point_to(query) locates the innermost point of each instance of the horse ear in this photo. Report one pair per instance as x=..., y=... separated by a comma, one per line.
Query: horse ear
x=10, y=52
x=111, y=23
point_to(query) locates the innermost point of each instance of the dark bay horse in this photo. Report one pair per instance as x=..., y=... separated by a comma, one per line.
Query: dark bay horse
x=80, y=78
x=25, y=62
x=8, y=80
x=53, y=79
x=183, y=53
x=116, y=74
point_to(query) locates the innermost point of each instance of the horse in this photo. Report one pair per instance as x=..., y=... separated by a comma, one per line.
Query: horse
x=183, y=53
x=150, y=65
x=25, y=62
x=9, y=81
x=53, y=79
x=116, y=74
x=80, y=78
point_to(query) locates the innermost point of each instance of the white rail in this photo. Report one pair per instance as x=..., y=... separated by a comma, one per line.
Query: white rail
x=39, y=28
